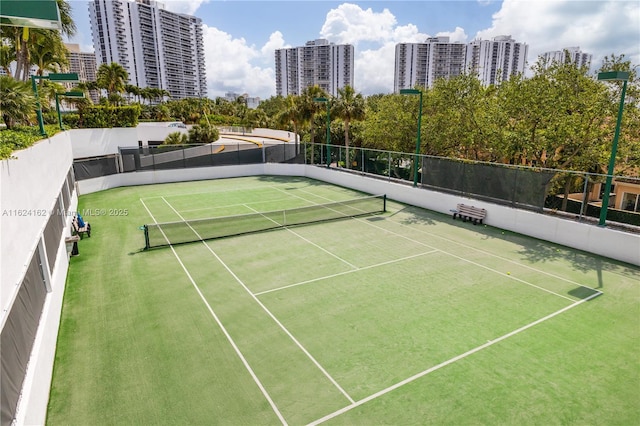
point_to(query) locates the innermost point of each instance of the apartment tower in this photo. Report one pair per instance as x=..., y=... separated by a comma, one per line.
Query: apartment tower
x=84, y=64
x=158, y=48
x=568, y=55
x=421, y=64
x=496, y=60
x=318, y=62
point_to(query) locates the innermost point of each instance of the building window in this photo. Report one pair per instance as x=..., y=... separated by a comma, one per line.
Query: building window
x=630, y=202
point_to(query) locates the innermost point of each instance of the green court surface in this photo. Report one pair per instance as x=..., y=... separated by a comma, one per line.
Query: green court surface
x=401, y=317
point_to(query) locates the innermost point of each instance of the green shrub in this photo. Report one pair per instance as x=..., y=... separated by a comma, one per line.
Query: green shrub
x=21, y=138
x=111, y=116
x=70, y=120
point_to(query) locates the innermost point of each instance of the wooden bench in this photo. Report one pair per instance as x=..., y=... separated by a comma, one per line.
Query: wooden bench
x=471, y=213
x=86, y=229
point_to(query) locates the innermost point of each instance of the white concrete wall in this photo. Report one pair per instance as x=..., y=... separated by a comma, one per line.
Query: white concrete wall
x=277, y=134
x=30, y=184
x=97, y=142
x=29, y=187
x=606, y=242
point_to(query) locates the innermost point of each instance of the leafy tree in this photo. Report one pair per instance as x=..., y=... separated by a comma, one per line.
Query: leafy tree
x=271, y=108
x=17, y=102
x=257, y=118
x=203, y=134
x=390, y=123
x=349, y=106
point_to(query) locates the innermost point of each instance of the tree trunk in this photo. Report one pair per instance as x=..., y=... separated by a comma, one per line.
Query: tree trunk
x=567, y=188
x=585, y=197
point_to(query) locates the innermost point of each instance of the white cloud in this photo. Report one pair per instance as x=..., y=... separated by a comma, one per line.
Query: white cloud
x=188, y=7
x=276, y=41
x=374, y=35
x=229, y=64
x=455, y=36
x=597, y=27
x=349, y=23
x=374, y=69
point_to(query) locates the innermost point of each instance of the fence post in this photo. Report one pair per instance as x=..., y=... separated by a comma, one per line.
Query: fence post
x=585, y=197
x=389, y=167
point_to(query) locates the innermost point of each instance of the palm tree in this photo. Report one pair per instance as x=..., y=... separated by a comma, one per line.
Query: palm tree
x=310, y=107
x=349, y=107
x=176, y=138
x=132, y=91
x=292, y=113
x=48, y=52
x=7, y=56
x=17, y=102
x=22, y=38
x=112, y=77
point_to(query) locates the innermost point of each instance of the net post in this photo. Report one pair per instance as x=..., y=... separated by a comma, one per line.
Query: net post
x=146, y=238
x=384, y=203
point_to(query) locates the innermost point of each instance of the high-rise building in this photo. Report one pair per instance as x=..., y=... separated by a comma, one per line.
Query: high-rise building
x=568, y=55
x=84, y=64
x=158, y=48
x=496, y=60
x=421, y=64
x=318, y=62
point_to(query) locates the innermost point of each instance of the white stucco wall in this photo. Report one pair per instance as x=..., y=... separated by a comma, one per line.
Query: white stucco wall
x=29, y=186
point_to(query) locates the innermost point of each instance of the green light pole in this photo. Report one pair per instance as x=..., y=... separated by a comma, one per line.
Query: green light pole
x=326, y=101
x=612, y=76
x=415, y=163
x=67, y=95
x=65, y=77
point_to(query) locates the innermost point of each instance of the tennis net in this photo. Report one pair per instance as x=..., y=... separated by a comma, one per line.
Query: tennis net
x=168, y=233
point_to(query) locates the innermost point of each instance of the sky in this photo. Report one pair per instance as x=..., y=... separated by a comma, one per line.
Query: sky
x=240, y=37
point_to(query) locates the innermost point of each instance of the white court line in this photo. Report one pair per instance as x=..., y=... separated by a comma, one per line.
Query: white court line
x=235, y=205
x=346, y=272
x=249, y=188
x=303, y=238
x=224, y=330
x=448, y=362
x=467, y=260
x=497, y=256
x=302, y=348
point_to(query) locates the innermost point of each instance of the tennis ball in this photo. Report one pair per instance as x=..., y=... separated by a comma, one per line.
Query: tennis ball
x=502, y=232
x=508, y=273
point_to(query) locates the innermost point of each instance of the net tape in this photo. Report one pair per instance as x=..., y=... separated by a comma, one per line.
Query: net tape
x=168, y=233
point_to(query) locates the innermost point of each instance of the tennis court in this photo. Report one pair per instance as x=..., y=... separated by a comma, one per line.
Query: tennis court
x=401, y=316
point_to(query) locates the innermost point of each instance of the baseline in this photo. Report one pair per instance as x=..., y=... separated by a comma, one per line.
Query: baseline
x=448, y=362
